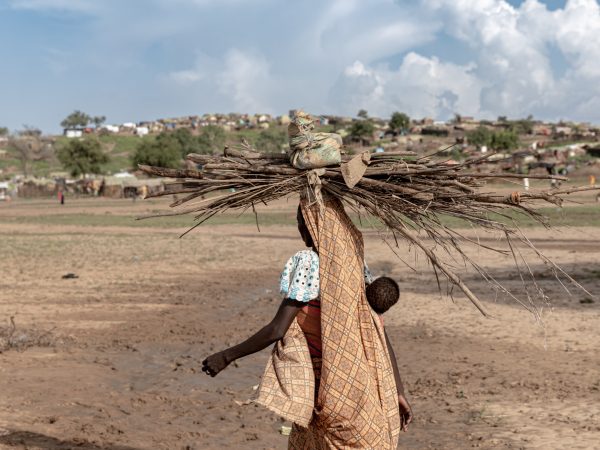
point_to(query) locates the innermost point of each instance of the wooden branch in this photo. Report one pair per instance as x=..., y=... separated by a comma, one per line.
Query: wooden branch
x=170, y=173
x=513, y=175
x=389, y=187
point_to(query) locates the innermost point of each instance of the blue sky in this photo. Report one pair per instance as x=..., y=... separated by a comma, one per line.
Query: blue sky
x=134, y=60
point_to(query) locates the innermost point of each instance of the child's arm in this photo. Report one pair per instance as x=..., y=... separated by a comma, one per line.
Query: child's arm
x=406, y=414
x=274, y=331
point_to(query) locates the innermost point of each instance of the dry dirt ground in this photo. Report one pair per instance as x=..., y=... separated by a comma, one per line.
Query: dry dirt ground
x=116, y=365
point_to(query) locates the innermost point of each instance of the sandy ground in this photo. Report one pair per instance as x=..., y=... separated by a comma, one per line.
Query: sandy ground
x=128, y=336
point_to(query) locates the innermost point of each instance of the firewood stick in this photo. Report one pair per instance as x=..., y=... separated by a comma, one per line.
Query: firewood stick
x=171, y=173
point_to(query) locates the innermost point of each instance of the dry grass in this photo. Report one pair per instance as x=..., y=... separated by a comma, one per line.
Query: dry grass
x=20, y=339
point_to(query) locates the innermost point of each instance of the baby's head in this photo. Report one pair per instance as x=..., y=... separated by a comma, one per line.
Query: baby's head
x=382, y=294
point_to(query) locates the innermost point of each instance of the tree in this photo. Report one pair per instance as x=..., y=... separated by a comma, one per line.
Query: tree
x=212, y=138
x=522, y=126
x=82, y=156
x=501, y=140
x=272, y=140
x=363, y=114
x=186, y=141
x=480, y=136
x=3, y=131
x=165, y=151
x=28, y=130
x=361, y=130
x=76, y=119
x=504, y=140
x=30, y=147
x=399, y=122
x=98, y=121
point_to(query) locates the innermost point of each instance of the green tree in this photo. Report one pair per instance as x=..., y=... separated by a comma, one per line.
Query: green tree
x=361, y=130
x=212, y=138
x=82, y=156
x=272, y=140
x=185, y=139
x=480, y=136
x=98, y=121
x=504, y=140
x=399, y=122
x=3, y=131
x=76, y=119
x=363, y=114
x=522, y=126
x=164, y=152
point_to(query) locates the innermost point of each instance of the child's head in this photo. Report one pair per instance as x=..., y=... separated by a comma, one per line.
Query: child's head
x=382, y=294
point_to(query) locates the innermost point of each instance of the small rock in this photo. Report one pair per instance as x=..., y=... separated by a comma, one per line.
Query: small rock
x=69, y=276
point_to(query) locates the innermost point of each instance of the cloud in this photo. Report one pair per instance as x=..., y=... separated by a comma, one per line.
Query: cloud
x=64, y=5
x=511, y=72
x=351, y=30
x=247, y=79
x=421, y=87
x=427, y=57
x=242, y=79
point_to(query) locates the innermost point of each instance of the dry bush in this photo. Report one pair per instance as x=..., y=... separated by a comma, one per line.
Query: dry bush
x=20, y=339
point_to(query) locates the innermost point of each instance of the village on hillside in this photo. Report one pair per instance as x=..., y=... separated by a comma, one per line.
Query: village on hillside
x=93, y=158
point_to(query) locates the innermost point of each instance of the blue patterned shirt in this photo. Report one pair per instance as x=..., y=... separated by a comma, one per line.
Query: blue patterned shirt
x=299, y=279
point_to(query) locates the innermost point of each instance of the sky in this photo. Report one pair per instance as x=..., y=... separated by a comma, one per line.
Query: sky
x=134, y=60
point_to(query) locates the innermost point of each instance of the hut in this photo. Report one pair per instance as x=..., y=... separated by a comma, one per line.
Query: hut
x=37, y=187
x=129, y=187
x=4, y=191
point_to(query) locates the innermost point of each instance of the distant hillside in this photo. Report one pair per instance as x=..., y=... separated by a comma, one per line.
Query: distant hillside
x=120, y=149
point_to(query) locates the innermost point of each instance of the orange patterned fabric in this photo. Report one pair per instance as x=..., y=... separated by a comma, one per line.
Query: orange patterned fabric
x=288, y=385
x=357, y=405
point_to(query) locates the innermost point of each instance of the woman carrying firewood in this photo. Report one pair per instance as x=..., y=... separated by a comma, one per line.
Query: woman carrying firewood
x=344, y=391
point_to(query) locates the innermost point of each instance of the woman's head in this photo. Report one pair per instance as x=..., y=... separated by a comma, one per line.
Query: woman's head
x=303, y=229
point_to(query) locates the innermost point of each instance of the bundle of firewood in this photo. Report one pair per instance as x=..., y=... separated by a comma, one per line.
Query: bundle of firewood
x=408, y=196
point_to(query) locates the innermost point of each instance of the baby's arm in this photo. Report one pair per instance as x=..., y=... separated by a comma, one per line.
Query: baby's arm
x=270, y=333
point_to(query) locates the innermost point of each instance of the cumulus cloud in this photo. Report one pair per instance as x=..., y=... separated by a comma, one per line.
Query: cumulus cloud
x=420, y=86
x=511, y=72
x=243, y=80
x=425, y=57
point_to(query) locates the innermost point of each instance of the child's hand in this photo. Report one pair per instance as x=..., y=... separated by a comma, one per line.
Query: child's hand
x=406, y=415
x=214, y=364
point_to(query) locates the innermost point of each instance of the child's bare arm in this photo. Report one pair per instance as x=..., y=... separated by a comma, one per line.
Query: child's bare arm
x=272, y=332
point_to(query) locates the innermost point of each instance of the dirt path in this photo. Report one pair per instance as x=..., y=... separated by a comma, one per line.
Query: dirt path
x=127, y=338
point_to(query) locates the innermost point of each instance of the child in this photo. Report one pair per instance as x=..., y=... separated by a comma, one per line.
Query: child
x=382, y=294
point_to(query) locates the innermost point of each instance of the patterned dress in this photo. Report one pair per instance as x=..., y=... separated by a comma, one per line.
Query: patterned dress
x=357, y=402
x=299, y=281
